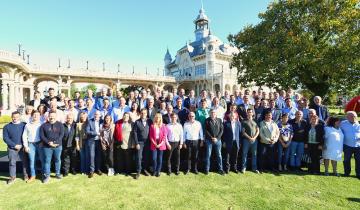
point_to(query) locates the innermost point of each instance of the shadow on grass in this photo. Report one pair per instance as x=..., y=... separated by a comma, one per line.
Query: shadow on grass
x=356, y=200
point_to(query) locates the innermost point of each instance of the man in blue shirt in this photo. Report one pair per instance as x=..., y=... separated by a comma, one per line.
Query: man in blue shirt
x=351, y=130
x=289, y=109
x=12, y=135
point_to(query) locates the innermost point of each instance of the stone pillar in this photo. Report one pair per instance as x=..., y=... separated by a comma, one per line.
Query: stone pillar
x=118, y=84
x=12, y=97
x=32, y=91
x=69, y=92
x=5, y=96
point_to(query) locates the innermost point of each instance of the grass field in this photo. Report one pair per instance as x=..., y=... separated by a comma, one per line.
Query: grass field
x=234, y=191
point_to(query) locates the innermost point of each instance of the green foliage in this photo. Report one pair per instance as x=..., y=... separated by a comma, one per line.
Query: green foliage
x=129, y=88
x=5, y=119
x=83, y=90
x=312, y=45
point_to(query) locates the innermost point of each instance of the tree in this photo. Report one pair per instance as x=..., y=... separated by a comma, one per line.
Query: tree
x=306, y=44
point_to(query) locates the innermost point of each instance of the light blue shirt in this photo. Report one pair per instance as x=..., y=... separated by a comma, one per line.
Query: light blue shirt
x=290, y=111
x=118, y=113
x=351, y=133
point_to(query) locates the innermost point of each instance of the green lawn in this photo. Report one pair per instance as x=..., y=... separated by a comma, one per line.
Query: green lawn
x=249, y=191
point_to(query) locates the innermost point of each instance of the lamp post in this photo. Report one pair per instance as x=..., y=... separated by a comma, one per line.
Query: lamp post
x=87, y=65
x=68, y=63
x=146, y=70
x=59, y=63
x=133, y=70
x=28, y=59
x=118, y=68
x=19, y=45
x=103, y=66
x=23, y=54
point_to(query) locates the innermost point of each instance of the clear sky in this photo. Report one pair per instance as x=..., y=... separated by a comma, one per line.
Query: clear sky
x=125, y=32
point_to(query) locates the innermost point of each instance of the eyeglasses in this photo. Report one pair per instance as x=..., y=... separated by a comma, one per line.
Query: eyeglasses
x=192, y=116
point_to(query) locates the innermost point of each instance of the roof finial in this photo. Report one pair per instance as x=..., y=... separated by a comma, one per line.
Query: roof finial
x=202, y=5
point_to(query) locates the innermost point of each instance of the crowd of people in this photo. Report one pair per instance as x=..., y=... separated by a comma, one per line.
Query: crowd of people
x=114, y=134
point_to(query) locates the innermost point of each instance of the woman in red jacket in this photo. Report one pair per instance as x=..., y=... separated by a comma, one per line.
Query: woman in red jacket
x=123, y=144
x=158, y=142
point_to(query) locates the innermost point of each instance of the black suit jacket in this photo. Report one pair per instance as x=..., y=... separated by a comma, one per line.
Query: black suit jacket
x=31, y=103
x=320, y=133
x=69, y=136
x=243, y=112
x=153, y=112
x=141, y=132
x=166, y=119
x=213, y=129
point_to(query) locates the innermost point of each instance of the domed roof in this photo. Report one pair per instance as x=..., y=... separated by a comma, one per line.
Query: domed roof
x=168, y=55
x=202, y=16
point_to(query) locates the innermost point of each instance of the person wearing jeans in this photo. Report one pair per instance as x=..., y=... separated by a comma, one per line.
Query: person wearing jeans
x=31, y=141
x=213, y=133
x=93, y=144
x=12, y=135
x=351, y=130
x=250, y=132
x=158, y=142
x=297, y=145
x=284, y=143
x=51, y=134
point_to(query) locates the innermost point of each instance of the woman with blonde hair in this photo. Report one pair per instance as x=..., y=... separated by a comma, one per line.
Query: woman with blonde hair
x=26, y=117
x=80, y=140
x=158, y=142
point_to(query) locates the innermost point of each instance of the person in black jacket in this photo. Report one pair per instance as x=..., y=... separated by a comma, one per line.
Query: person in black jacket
x=51, y=134
x=142, y=143
x=37, y=100
x=314, y=143
x=231, y=138
x=213, y=133
x=68, y=157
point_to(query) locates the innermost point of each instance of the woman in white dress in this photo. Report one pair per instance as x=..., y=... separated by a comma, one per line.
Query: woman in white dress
x=333, y=145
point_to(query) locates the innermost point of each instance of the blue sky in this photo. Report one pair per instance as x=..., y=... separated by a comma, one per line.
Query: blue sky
x=127, y=32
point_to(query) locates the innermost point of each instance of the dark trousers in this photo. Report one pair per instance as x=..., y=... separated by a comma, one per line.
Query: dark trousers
x=348, y=152
x=13, y=156
x=192, y=154
x=142, y=157
x=267, y=155
x=231, y=156
x=125, y=160
x=315, y=154
x=68, y=160
x=108, y=158
x=117, y=157
x=174, y=151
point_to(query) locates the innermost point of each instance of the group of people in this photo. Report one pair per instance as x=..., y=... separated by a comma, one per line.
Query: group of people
x=111, y=133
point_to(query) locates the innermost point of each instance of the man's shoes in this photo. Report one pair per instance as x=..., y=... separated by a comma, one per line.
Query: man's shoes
x=243, y=171
x=46, y=179
x=146, y=173
x=222, y=173
x=226, y=171
x=137, y=175
x=206, y=172
x=111, y=172
x=91, y=175
x=66, y=174
x=99, y=173
x=59, y=176
x=26, y=178
x=186, y=172
x=168, y=173
x=31, y=179
x=157, y=174
x=346, y=175
x=177, y=173
x=11, y=180
x=196, y=171
x=256, y=171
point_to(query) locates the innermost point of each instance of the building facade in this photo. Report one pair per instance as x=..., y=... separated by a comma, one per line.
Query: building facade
x=203, y=64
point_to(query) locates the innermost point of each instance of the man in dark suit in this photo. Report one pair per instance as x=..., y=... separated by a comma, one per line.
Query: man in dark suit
x=242, y=108
x=181, y=111
x=167, y=117
x=321, y=110
x=213, y=133
x=231, y=141
x=231, y=102
x=37, y=100
x=151, y=109
x=68, y=156
x=276, y=113
x=93, y=144
x=141, y=139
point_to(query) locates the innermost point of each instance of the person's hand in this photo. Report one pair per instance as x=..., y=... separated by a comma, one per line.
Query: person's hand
x=305, y=146
x=77, y=147
x=158, y=146
x=103, y=147
x=168, y=146
x=180, y=146
x=27, y=149
x=51, y=144
x=201, y=143
x=18, y=147
x=138, y=146
x=184, y=146
x=224, y=145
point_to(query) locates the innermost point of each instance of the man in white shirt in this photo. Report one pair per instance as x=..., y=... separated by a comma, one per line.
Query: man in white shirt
x=176, y=139
x=194, y=137
x=219, y=110
x=72, y=110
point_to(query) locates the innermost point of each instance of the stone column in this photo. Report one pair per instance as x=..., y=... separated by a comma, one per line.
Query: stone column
x=32, y=91
x=5, y=96
x=12, y=97
x=118, y=84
